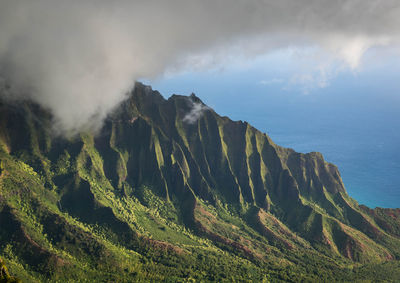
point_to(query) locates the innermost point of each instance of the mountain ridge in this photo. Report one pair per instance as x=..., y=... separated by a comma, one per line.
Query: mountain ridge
x=151, y=190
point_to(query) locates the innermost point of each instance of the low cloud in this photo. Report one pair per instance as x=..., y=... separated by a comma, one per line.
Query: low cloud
x=80, y=58
x=272, y=81
x=196, y=112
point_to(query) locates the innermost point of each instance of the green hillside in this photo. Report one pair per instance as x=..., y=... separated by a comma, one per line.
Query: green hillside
x=155, y=196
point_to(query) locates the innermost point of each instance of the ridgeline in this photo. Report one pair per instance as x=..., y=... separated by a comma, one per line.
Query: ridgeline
x=155, y=196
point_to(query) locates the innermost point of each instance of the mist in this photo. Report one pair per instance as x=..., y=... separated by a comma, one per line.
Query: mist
x=197, y=110
x=79, y=59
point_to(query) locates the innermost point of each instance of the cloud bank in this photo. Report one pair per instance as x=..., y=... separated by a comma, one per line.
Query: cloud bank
x=80, y=58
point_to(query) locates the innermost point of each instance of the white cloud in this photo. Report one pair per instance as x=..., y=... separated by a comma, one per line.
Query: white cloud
x=272, y=81
x=308, y=82
x=79, y=58
x=350, y=50
x=196, y=112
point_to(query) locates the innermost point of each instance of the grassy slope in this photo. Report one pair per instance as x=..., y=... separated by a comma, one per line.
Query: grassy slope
x=152, y=197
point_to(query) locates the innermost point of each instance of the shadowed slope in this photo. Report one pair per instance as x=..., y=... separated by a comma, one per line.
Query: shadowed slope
x=153, y=195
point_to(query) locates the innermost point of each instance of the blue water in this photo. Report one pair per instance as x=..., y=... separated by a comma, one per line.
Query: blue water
x=354, y=123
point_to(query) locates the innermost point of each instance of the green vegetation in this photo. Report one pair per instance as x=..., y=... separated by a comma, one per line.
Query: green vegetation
x=5, y=276
x=152, y=198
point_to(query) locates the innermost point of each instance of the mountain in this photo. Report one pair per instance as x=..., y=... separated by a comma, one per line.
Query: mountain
x=168, y=190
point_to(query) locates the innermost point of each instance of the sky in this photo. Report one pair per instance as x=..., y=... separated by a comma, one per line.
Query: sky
x=79, y=58
x=306, y=58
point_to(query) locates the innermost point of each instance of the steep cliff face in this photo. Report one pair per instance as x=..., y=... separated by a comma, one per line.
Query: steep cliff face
x=169, y=185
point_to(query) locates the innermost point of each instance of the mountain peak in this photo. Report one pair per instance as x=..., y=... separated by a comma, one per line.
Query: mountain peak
x=168, y=188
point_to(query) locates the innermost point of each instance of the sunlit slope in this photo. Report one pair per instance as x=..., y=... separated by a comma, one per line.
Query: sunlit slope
x=152, y=196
